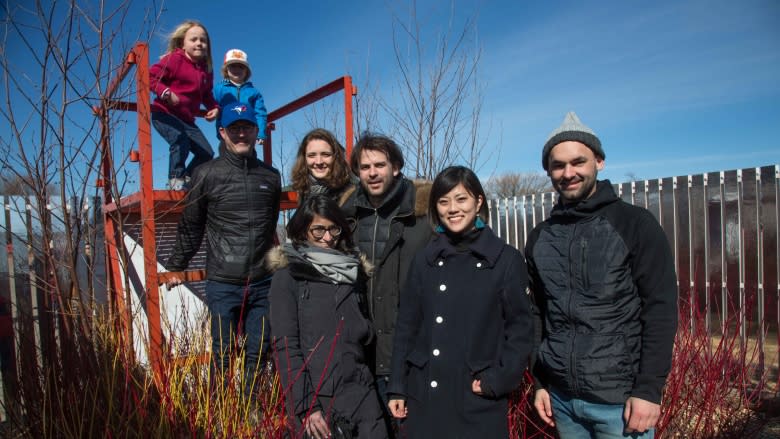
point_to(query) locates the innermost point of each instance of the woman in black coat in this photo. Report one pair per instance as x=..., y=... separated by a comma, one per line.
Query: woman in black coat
x=320, y=329
x=464, y=329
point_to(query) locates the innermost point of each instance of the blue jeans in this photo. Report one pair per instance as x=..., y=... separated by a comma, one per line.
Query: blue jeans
x=577, y=418
x=239, y=310
x=183, y=138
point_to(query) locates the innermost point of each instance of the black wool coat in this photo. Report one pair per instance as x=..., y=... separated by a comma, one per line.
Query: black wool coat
x=465, y=315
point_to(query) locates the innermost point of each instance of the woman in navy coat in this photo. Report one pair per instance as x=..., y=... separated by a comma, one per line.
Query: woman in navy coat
x=464, y=330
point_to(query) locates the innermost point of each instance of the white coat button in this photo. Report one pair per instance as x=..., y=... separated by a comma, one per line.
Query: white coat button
x=441, y=263
x=479, y=264
x=434, y=384
x=439, y=319
x=436, y=352
x=442, y=287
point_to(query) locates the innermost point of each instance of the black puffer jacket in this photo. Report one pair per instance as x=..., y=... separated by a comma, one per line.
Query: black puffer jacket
x=401, y=225
x=234, y=201
x=602, y=274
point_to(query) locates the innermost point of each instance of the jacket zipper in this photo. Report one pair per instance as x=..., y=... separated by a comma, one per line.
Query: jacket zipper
x=584, y=263
x=373, y=261
x=572, y=292
x=247, y=199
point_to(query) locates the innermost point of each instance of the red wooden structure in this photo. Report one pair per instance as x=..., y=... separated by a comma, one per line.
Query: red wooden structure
x=148, y=204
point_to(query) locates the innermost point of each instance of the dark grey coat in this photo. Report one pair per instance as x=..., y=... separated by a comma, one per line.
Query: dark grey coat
x=465, y=315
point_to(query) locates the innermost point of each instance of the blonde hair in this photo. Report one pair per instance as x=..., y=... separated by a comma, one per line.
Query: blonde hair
x=176, y=39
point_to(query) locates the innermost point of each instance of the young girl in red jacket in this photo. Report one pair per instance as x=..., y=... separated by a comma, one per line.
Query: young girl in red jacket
x=182, y=81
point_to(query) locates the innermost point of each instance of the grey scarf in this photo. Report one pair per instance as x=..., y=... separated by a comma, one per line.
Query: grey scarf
x=337, y=266
x=317, y=186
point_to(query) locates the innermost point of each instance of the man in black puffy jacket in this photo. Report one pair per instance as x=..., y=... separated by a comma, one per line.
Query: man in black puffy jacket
x=602, y=275
x=234, y=201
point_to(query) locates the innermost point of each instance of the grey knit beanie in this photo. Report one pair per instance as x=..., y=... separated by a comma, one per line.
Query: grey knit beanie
x=572, y=129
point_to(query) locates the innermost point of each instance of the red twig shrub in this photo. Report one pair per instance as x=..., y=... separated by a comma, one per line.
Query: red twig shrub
x=524, y=423
x=93, y=388
x=714, y=383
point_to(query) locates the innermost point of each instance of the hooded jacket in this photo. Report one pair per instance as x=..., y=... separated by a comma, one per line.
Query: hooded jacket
x=226, y=93
x=602, y=274
x=400, y=225
x=234, y=202
x=191, y=82
x=320, y=332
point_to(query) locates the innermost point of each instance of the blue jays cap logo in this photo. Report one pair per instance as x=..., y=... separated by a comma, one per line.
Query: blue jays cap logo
x=235, y=112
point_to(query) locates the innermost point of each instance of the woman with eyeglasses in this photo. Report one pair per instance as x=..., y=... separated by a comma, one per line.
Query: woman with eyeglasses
x=464, y=330
x=320, y=326
x=320, y=167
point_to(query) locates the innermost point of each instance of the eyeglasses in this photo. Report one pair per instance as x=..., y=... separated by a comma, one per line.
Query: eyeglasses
x=236, y=129
x=319, y=231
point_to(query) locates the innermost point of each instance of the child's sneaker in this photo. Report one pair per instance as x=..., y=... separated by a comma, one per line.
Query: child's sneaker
x=177, y=184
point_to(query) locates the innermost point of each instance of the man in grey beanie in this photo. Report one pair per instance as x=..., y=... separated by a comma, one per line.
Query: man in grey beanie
x=602, y=276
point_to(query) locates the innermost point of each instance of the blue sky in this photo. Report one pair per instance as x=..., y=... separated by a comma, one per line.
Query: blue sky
x=670, y=87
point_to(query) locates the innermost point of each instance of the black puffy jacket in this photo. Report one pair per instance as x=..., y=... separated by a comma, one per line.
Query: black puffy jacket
x=234, y=201
x=602, y=274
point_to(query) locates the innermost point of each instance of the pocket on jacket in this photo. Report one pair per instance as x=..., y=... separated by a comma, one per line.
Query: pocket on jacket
x=417, y=358
x=416, y=373
x=473, y=404
x=603, y=361
x=552, y=357
x=477, y=366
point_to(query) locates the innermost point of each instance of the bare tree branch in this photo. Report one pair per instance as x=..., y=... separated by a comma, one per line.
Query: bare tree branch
x=515, y=184
x=436, y=105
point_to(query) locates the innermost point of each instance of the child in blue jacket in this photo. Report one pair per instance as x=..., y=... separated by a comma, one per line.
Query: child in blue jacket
x=236, y=87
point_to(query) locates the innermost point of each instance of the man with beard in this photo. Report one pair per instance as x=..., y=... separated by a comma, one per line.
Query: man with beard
x=602, y=276
x=389, y=213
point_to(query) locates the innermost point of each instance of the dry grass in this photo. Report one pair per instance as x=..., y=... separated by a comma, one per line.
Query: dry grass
x=95, y=389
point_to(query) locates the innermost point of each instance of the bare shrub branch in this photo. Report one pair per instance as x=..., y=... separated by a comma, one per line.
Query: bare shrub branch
x=515, y=184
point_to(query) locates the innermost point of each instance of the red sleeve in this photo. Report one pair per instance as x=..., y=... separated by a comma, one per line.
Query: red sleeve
x=160, y=73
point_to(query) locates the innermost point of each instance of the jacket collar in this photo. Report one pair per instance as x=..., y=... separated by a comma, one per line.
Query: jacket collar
x=276, y=259
x=226, y=81
x=487, y=246
x=250, y=161
x=400, y=196
x=180, y=52
x=603, y=196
